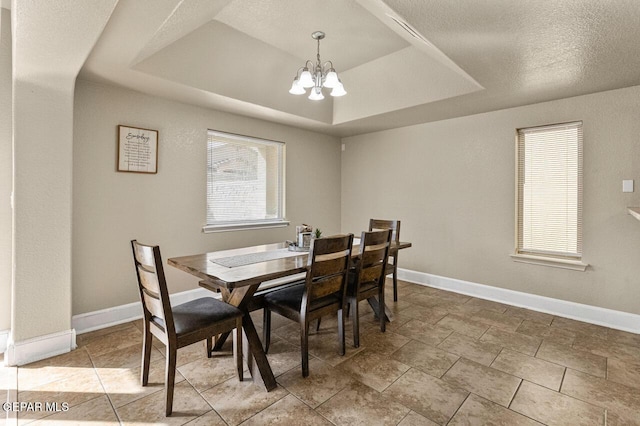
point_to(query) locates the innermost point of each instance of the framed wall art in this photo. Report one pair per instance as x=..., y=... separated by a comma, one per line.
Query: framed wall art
x=137, y=150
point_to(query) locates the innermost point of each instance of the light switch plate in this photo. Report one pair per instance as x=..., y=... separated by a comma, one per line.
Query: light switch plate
x=627, y=186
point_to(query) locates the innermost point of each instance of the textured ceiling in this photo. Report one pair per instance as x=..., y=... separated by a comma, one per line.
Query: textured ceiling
x=463, y=57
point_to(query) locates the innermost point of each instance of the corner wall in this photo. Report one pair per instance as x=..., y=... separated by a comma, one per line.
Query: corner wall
x=111, y=208
x=452, y=183
x=6, y=174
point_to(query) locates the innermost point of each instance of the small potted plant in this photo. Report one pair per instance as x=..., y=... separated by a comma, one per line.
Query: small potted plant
x=317, y=233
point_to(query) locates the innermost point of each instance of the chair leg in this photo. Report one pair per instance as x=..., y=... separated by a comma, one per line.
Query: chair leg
x=209, y=346
x=147, y=344
x=382, y=308
x=318, y=324
x=266, y=329
x=237, y=348
x=170, y=377
x=356, y=322
x=341, y=344
x=395, y=281
x=304, y=347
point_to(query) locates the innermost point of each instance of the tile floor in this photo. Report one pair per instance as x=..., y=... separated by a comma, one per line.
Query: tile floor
x=447, y=359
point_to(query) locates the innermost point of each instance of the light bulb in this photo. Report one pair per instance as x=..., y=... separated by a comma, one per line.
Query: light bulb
x=296, y=88
x=331, y=80
x=316, y=94
x=338, y=90
x=306, y=80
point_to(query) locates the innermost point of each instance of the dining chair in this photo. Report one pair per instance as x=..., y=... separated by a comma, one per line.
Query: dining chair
x=323, y=292
x=180, y=325
x=392, y=266
x=367, y=280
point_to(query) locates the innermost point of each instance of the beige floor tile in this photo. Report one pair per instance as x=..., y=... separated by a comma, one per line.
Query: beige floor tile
x=96, y=412
x=618, y=398
x=283, y=356
x=323, y=383
x=580, y=327
x=577, y=359
x=123, y=384
x=615, y=419
x=553, y=408
x=626, y=373
x=516, y=341
x=73, y=390
x=432, y=301
x=485, y=381
x=51, y=369
x=128, y=357
x=369, y=322
x=374, y=370
x=624, y=337
x=129, y=336
x=497, y=320
x=608, y=348
x=463, y=325
x=382, y=343
x=426, y=358
x=424, y=332
x=205, y=373
x=359, y=405
x=528, y=314
x=452, y=297
x=325, y=347
x=415, y=419
x=477, y=411
x=547, y=333
x=187, y=405
x=237, y=401
x=287, y=411
x=428, y=315
x=535, y=370
x=481, y=352
x=488, y=305
x=210, y=418
x=86, y=338
x=429, y=396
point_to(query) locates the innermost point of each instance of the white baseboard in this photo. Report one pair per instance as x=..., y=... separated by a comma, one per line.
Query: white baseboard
x=41, y=347
x=4, y=337
x=90, y=321
x=592, y=314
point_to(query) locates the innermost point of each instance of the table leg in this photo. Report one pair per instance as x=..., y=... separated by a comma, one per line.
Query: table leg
x=373, y=302
x=253, y=352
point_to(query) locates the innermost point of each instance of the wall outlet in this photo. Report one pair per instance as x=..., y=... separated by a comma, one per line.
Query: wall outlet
x=627, y=186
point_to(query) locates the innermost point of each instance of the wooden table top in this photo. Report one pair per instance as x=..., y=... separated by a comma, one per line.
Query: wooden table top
x=201, y=265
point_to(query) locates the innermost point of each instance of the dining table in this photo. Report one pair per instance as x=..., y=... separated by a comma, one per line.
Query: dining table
x=239, y=273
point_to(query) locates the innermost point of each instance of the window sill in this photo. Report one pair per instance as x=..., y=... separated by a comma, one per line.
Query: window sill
x=207, y=229
x=574, y=265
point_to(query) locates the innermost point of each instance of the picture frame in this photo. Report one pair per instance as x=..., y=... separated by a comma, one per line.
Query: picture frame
x=137, y=150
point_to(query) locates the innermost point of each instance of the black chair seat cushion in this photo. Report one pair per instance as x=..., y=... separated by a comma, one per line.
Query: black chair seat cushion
x=291, y=298
x=200, y=313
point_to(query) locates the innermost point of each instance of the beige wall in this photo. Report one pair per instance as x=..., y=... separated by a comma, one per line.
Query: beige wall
x=452, y=184
x=111, y=208
x=5, y=169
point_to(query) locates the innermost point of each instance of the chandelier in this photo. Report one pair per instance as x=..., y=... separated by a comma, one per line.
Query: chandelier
x=323, y=76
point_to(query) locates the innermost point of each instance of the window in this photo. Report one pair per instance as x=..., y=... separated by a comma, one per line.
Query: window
x=549, y=197
x=245, y=182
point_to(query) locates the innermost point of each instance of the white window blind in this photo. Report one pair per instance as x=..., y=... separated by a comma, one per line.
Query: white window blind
x=549, y=213
x=245, y=180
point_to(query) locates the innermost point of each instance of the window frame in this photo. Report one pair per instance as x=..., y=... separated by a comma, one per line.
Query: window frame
x=542, y=257
x=233, y=225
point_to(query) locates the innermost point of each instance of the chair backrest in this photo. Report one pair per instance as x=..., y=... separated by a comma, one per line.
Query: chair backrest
x=153, y=286
x=374, y=253
x=328, y=270
x=379, y=224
